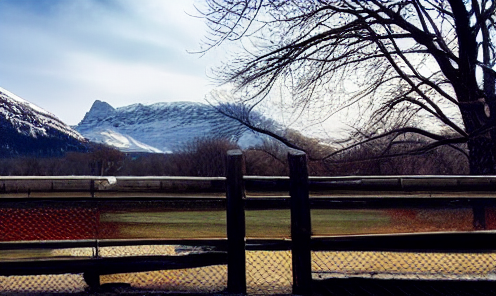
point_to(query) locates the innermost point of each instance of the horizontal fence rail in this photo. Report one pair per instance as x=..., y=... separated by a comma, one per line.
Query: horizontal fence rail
x=88, y=186
x=112, y=265
x=169, y=185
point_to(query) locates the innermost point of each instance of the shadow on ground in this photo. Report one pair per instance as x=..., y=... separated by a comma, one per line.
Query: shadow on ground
x=338, y=287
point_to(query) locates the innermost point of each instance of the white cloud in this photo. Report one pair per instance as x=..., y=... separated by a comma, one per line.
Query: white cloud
x=135, y=80
x=65, y=54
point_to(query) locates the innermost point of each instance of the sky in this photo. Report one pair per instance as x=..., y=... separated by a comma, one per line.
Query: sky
x=62, y=55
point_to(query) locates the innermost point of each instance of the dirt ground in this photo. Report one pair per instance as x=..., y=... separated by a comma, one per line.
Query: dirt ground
x=268, y=272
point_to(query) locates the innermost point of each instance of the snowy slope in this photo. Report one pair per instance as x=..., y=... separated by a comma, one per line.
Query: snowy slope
x=27, y=128
x=164, y=127
x=30, y=119
x=122, y=142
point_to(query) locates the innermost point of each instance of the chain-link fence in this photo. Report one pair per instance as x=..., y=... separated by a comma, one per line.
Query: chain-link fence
x=42, y=224
x=268, y=272
x=53, y=283
x=208, y=279
x=404, y=265
x=110, y=232
x=48, y=223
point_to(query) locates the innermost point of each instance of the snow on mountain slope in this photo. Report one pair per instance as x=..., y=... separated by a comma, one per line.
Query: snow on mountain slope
x=28, y=129
x=30, y=119
x=161, y=127
x=122, y=142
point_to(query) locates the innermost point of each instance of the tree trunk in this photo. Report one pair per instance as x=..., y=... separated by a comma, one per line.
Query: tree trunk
x=481, y=156
x=481, y=146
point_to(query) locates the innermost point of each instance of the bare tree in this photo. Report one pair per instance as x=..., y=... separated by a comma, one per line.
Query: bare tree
x=398, y=60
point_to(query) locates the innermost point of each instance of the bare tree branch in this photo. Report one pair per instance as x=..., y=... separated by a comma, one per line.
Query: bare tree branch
x=396, y=63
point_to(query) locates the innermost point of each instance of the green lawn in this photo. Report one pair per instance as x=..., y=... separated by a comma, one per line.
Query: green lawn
x=259, y=223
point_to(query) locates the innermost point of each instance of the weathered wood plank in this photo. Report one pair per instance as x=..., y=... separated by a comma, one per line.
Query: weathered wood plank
x=254, y=184
x=89, y=184
x=458, y=242
x=218, y=244
x=235, y=215
x=301, y=228
x=59, y=244
x=370, y=202
x=111, y=265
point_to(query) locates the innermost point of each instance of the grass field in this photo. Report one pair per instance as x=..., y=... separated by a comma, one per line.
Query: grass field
x=276, y=223
x=264, y=224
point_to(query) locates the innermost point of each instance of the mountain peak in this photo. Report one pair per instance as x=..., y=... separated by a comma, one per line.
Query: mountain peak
x=98, y=111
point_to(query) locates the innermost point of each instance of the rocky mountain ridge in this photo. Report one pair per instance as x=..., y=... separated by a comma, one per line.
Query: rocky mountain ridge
x=26, y=129
x=160, y=127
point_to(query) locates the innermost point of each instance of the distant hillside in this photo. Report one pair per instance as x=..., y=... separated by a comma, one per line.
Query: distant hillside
x=26, y=129
x=161, y=127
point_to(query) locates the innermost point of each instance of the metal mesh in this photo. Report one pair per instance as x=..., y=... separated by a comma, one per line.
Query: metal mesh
x=401, y=265
x=268, y=272
x=60, y=283
x=141, y=250
x=30, y=224
x=17, y=224
x=193, y=280
x=74, y=223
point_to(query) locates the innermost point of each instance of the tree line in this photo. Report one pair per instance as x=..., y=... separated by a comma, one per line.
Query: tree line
x=207, y=157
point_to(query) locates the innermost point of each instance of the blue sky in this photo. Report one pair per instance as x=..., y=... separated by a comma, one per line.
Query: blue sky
x=63, y=54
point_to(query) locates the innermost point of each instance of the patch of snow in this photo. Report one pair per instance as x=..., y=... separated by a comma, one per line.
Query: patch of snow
x=115, y=139
x=31, y=120
x=26, y=103
x=123, y=142
x=146, y=147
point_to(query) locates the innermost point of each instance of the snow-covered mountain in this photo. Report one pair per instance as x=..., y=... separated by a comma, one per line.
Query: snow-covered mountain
x=160, y=127
x=26, y=129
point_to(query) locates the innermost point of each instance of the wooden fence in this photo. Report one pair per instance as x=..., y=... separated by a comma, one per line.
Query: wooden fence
x=235, y=193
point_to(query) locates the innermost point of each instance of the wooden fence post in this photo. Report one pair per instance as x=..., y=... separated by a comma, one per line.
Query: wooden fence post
x=479, y=212
x=236, y=258
x=92, y=279
x=301, y=228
